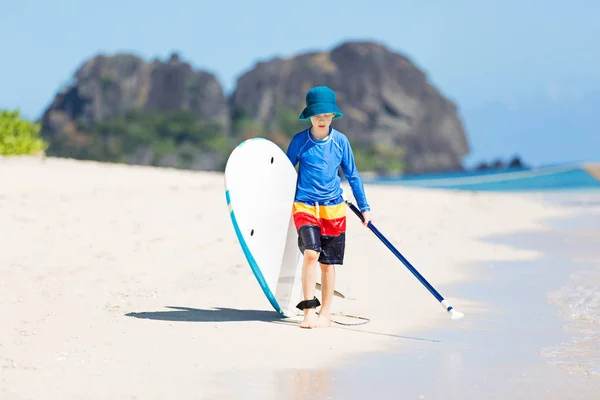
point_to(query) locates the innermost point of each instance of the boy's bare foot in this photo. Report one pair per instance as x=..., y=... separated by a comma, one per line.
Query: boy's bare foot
x=324, y=320
x=310, y=319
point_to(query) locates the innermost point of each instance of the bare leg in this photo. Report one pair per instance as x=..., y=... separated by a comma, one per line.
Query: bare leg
x=328, y=286
x=309, y=279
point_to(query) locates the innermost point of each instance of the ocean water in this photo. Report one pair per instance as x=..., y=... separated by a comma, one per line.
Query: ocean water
x=578, y=300
x=578, y=305
x=551, y=178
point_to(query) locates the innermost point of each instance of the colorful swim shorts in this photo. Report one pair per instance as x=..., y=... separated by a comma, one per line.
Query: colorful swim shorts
x=322, y=227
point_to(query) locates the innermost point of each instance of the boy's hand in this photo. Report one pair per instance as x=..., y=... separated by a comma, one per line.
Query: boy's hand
x=367, y=217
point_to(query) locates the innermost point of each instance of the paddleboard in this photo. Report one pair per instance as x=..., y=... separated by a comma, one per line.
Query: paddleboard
x=260, y=184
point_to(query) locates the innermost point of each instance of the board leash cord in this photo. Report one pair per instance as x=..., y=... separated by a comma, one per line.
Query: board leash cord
x=363, y=320
x=454, y=314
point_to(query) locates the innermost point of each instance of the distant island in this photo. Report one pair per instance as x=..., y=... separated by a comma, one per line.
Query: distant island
x=514, y=162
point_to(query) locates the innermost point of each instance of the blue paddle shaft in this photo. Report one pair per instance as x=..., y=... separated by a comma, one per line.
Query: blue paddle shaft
x=397, y=253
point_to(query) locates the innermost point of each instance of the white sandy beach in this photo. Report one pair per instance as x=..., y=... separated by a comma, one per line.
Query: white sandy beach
x=128, y=282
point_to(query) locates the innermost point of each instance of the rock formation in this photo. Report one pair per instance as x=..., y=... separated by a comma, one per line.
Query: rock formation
x=106, y=87
x=387, y=102
x=391, y=112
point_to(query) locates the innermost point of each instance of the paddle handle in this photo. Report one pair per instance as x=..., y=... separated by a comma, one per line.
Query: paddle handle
x=358, y=213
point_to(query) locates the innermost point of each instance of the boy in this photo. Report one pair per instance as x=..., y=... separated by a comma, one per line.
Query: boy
x=319, y=209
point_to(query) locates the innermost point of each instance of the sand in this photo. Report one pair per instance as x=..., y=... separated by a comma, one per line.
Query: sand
x=593, y=169
x=128, y=282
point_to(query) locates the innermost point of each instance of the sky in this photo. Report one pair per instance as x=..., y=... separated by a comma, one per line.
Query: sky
x=524, y=74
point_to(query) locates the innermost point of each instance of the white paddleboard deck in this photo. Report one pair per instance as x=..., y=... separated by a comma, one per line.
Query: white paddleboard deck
x=260, y=184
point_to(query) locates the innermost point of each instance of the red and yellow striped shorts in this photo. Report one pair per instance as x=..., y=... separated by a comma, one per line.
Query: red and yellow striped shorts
x=322, y=227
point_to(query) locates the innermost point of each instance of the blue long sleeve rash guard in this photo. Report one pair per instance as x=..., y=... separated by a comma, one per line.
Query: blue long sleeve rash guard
x=319, y=160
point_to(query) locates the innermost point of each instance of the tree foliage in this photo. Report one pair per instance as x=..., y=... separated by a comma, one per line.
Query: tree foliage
x=178, y=134
x=184, y=139
x=380, y=159
x=19, y=136
x=280, y=130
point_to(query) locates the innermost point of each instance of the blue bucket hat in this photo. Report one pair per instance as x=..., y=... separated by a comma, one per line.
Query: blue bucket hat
x=320, y=100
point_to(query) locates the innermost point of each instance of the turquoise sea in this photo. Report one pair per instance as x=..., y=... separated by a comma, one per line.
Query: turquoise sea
x=547, y=178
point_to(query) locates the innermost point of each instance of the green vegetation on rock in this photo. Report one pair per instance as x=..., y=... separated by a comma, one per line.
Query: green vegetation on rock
x=380, y=159
x=279, y=130
x=373, y=158
x=177, y=139
x=181, y=139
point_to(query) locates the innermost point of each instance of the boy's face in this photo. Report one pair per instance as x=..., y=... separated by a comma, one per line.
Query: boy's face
x=322, y=120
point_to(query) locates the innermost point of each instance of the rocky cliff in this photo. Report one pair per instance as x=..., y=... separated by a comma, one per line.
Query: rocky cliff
x=388, y=104
x=111, y=88
x=392, y=114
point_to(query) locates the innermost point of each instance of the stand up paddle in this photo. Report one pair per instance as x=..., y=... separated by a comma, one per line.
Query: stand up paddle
x=454, y=314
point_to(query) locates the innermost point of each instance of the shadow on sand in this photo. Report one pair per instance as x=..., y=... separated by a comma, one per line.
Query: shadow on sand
x=219, y=314
x=216, y=314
